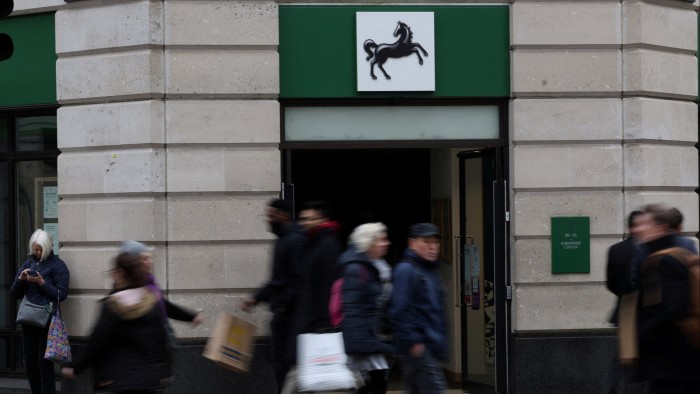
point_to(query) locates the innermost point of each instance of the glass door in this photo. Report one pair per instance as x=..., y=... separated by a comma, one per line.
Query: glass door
x=483, y=271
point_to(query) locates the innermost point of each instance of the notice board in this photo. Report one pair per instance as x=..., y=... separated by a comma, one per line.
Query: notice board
x=571, y=244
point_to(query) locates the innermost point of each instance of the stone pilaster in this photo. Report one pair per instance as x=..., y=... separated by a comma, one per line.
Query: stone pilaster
x=169, y=129
x=602, y=122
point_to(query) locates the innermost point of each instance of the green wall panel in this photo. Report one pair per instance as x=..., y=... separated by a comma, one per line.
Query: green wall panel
x=29, y=76
x=317, y=51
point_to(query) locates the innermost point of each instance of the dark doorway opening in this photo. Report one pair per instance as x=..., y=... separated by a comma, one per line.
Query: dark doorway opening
x=391, y=186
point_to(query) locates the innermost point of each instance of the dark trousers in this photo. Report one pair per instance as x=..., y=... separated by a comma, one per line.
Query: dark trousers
x=377, y=382
x=422, y=375
x=279, y=348
x=42, y=379
x=665, y=387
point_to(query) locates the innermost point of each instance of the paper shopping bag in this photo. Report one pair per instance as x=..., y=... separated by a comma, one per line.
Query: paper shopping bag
x=322, y=363
x=231, y=343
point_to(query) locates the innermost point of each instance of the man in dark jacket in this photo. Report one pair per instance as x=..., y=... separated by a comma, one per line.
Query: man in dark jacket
x=318, y=266
x=417, y=312
x=618, y=279
x=281, y=291
x=318, y=270
x=665, y=354
x=619, y=260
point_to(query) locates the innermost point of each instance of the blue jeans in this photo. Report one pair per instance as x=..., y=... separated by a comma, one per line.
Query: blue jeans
x=422, y=375
x=42, y=378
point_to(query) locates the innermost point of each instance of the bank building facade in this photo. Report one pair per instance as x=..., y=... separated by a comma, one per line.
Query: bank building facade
x=526, y=130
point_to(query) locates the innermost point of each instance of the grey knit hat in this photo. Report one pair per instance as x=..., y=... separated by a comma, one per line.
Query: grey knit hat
x=133, y=248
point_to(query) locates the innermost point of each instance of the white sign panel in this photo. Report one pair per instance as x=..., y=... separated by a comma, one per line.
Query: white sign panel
x=50, y=202
x=395, y=51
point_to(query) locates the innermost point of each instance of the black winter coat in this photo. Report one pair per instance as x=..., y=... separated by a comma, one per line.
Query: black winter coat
x=618, y=278
x=282, y=290
x=361, y=288
x=128, y=347
x=664, y=352
x=318, y=269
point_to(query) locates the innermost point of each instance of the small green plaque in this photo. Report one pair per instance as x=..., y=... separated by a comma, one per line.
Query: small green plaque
x=571, y=244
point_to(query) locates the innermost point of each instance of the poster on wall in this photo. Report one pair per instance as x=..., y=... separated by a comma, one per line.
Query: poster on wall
x=50, y=202
x=52, y=228
x=395, y=51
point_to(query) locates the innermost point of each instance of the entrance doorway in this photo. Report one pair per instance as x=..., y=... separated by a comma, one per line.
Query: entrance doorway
x=371, y=185
x=458, y=191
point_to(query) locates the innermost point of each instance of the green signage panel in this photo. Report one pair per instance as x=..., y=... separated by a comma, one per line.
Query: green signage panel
x=28, y=77
x=318, y=57
x=571, y=244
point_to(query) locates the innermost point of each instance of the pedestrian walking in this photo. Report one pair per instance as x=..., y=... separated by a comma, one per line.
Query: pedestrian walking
x=144, y=254
x=42, y=280
x=318, y=270
x=282, y=289
x=128, y=347
x=417, y=312
x=365, y=293
x=666, y=355
x=618, y=281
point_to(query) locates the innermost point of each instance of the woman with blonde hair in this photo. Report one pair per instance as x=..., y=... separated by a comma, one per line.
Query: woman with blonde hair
x=365, y=293
x=43, y=280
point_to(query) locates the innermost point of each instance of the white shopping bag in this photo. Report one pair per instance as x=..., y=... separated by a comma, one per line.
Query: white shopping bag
x=322, y=363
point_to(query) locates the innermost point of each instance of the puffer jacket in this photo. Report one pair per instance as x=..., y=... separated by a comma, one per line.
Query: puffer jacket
x=362, y=287
x=56, y=280
x=417, y=309
x=129, y=346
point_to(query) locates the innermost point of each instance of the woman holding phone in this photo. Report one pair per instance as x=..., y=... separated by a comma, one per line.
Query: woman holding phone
x=42, y=279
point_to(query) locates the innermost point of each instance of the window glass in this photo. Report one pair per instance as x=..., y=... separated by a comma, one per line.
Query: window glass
x=4, y=134
x=5, y=220
x=3, y=353
x=36, y=202
x=391, y=123
x=36, y=133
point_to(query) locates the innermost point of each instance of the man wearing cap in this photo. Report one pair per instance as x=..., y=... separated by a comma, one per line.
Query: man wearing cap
x=417, y=312
x=168, y=309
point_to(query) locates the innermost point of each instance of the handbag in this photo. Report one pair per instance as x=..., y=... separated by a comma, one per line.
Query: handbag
x=57, y=345
x=322, y=363
x=33, y=314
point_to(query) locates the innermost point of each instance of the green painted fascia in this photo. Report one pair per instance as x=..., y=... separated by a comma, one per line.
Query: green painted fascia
x=317, y=51
x=29, y=76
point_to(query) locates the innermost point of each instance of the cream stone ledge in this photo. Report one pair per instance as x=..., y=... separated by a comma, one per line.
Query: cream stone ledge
x=194, y=47
x=670, y=3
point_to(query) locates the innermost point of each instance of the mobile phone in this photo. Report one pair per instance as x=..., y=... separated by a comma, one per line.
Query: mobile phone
x=31, y=273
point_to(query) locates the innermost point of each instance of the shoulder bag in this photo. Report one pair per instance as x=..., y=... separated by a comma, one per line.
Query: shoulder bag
x=33, y=314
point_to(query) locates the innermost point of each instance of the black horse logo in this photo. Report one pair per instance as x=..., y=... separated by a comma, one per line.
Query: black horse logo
x=379, y=54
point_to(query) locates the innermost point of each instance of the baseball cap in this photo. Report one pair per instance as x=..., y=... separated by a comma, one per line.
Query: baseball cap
x=133, y=248
x=423, y=230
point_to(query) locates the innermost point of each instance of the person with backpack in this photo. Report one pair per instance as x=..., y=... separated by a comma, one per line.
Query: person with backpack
x=366, y=288
x=668, y=320
x=417, y=312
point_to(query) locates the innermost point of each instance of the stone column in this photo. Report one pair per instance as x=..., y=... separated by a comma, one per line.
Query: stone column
x=169, y=132
x=567, y=154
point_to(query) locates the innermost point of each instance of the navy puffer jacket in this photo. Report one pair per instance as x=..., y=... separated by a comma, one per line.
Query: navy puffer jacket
x=56, y=280
x=361, y=288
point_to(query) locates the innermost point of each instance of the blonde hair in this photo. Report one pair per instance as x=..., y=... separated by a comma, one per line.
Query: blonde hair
x=43, y=239
x=365, y=235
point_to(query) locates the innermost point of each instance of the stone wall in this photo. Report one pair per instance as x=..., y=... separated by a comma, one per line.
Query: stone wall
x=169, y=132
x=603, y=121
